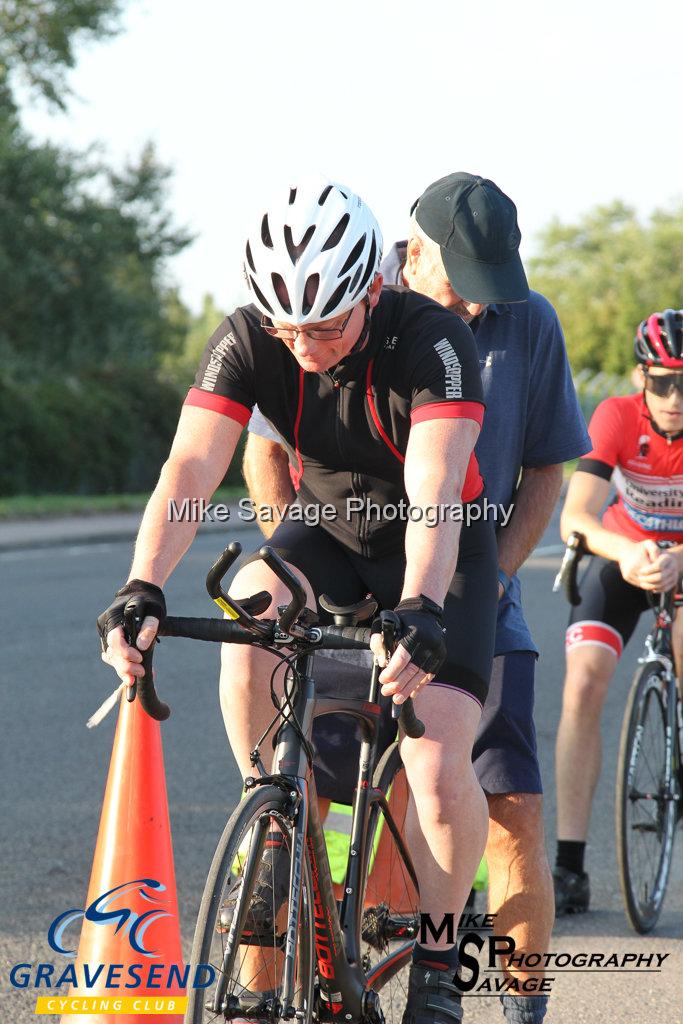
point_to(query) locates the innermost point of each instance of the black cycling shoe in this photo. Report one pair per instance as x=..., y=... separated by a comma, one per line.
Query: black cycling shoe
x=572, y=891
x=270, y=892
x=432, y=997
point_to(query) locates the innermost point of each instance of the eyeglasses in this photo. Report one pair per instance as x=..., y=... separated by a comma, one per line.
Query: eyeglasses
x=316, y=333
x=664, y=384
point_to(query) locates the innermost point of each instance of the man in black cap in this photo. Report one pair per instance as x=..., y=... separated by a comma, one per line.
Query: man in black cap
x=463, y=252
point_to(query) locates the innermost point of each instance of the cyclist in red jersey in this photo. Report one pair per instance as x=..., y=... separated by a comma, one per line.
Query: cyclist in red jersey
x=638, y=445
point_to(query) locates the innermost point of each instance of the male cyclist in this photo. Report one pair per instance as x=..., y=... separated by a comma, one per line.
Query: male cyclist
x=377, y=395
x=463, y=253
x=637, y=443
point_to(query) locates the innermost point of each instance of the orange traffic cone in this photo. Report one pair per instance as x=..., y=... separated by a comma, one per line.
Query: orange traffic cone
x=140, y=925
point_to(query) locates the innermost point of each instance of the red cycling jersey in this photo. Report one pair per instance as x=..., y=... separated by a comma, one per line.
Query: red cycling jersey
x=647, y=469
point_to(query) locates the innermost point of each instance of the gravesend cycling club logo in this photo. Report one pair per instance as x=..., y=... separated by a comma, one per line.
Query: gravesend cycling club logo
x=109, y=911
x=130, y=910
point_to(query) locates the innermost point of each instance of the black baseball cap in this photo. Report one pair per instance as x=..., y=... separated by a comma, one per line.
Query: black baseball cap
x=475, y=224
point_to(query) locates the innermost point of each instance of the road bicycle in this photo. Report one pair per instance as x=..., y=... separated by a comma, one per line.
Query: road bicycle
x=649, y=782
x=283, y=948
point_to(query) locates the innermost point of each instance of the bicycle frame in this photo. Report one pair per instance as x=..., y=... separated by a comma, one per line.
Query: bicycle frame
x=343, y=988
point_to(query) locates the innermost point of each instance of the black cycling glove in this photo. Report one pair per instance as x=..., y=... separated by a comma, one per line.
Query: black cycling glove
x=154, y=604
x=422, y=632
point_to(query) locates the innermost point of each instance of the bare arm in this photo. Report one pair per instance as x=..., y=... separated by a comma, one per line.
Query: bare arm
x=200, y=455
x=640, y=562
x=266, y=471
x=435, y=467
x=436, y=464
x=535, y=500
x=202, y=449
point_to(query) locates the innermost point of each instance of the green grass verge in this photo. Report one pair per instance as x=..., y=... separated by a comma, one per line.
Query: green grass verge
x=39, y=506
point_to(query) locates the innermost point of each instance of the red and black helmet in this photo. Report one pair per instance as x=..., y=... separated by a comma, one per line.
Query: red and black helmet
x=659, y=339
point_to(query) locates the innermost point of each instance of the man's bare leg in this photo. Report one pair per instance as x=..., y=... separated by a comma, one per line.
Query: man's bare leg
x=447, y=819
x=520, y=882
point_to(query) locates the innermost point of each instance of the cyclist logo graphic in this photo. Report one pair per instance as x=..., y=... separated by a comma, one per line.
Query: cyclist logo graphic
x=102, y=911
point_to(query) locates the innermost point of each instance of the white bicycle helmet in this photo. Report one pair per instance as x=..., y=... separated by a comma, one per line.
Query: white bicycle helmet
x=313, y=254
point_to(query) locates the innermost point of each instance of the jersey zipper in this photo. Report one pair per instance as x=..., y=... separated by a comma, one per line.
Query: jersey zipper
x=356, y=485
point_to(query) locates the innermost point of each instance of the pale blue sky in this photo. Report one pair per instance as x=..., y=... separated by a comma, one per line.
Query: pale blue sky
x=563, y=105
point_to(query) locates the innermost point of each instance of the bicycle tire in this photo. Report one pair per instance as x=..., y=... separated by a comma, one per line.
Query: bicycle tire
x=390, y=899
x=645, y=814
x=249, y=978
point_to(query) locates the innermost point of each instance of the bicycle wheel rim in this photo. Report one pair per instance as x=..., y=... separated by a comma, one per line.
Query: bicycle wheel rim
x=391, y=903
x=248, y=983
x=645, y=815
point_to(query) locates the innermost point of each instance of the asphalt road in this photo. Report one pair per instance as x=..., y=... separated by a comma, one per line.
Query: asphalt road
x=54, y=771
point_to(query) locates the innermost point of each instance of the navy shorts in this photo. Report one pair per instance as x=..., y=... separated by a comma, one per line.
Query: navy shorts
x=504, y=752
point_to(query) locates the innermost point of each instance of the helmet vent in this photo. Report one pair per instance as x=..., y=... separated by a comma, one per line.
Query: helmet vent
x=265, y=232
x=292, y=196
x=295, y=251
x=324, y=194
x=310, y=293
x=359, y=271
x=336, y=235
x=369, y=266
x=353, y=256
x=281, y=292
x=250, y=259
x=336, y=298
x=259, y=294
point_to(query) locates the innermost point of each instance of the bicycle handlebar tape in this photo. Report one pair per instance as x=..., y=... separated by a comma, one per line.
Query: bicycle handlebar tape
x=133, y=617
x=408, y=721
x=133, y=868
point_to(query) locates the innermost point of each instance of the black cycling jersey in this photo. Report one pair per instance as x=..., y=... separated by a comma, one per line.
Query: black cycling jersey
x=346, y=430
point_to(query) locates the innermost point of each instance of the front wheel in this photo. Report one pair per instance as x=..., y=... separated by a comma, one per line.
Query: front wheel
x=645, y=805
x=242, y=934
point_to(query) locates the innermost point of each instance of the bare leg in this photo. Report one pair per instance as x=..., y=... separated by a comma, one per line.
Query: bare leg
x=245, y=671
x=578, y=750
x=520, y=882
x=447, y=819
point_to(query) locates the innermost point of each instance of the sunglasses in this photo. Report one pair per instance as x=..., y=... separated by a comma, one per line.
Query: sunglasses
x=664, y=384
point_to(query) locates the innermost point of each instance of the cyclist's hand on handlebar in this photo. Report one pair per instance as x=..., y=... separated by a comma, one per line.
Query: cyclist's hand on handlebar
x=639, y=558
x=125, y=659
x=420, y=652
x=662, y=574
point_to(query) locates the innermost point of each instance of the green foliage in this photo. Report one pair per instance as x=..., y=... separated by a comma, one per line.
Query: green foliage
x=605, y=274
x=82, y=255
x=95, y=432
x=182, y=365
x=37, y=38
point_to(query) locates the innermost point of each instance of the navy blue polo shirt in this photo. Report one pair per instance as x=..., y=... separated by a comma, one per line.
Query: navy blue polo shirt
x=532, y=414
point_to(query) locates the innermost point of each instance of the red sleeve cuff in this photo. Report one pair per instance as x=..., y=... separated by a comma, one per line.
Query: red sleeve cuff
x=447, y=410
x=217, y=403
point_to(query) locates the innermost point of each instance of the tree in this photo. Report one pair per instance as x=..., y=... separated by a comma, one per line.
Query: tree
x=82, y=257
x=606, y=273
x=37, y=38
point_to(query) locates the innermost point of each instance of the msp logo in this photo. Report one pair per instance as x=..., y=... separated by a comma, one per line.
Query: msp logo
x=109, y=910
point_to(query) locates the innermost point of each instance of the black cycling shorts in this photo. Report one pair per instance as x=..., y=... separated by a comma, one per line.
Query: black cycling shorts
x=470, y=607
x=609, y=610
